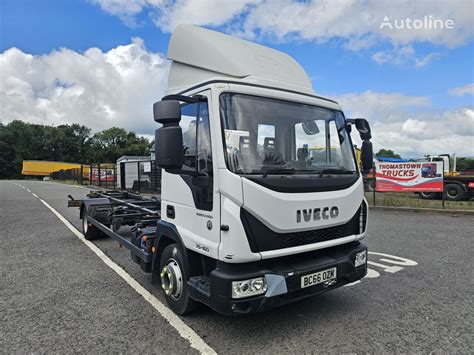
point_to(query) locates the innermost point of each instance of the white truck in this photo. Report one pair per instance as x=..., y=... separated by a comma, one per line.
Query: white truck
x=261, y=201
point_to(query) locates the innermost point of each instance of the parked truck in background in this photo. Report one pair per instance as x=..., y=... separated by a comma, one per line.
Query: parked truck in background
x=247, y=219
x=457, y=184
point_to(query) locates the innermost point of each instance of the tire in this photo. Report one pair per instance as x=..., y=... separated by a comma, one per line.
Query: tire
x=90, y=231
x=429, y=195
x=453, y=192
x=173, y=278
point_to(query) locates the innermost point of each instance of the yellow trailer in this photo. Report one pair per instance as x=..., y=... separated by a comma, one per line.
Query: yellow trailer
x=45, y=168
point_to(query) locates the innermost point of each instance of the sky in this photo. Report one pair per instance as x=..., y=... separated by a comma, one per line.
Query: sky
x=407, y=66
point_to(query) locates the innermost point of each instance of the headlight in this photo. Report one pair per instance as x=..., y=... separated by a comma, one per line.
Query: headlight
x=247, y=288
x=361, y=258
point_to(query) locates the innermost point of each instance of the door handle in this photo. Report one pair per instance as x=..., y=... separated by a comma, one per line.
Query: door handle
x=170, y=211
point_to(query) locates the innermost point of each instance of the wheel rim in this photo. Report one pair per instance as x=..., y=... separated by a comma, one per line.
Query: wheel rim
x=452, y=192
x=85, y=225
x=172, y=279
x=426, y=194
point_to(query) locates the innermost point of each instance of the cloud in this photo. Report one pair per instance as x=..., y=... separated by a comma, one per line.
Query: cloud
x=404, y=55
x=379, y=105
x=94, y=88
x=346, y=22
x=127, y=10
x=408, y=125
x=117, y=88
x=467, y=89
x=202, y=13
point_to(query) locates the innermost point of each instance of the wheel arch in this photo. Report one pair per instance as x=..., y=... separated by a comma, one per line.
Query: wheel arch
x=463, y=186
x=91, y=202
x=167, y=234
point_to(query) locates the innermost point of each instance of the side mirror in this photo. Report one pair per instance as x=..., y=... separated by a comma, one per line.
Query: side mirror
x=367, y=156
x=169, y=138
x=364, y=128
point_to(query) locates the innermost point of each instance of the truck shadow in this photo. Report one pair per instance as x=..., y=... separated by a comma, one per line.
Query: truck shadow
x=293, y=318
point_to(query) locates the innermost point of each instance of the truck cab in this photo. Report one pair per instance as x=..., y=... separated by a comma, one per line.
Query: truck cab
x=262, y=202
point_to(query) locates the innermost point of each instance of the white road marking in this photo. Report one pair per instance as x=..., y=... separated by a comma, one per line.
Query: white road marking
x=184, y=330
x=398, y=260
x=28, y=190
x=35, y=195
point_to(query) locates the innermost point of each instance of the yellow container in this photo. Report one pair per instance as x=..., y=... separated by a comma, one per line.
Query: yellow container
x=45, y=168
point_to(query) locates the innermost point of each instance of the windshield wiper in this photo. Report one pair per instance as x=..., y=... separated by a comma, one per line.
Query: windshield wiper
x=278, y=171
x=335, y=171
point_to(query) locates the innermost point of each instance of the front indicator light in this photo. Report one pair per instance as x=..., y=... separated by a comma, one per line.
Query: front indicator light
x=361, y=258
x=248, y=288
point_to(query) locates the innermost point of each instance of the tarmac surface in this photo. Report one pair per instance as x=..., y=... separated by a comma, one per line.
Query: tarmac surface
x=56, y=295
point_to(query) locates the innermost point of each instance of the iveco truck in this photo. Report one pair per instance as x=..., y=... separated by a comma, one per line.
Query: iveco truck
x=262, y=202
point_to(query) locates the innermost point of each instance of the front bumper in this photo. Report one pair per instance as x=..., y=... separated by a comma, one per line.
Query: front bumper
x=283, y=276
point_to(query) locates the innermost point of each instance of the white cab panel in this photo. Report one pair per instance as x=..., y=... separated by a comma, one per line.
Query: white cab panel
x=278, y=210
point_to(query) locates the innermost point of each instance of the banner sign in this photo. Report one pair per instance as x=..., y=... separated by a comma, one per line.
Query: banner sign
x=105, y=174
x=409, y=177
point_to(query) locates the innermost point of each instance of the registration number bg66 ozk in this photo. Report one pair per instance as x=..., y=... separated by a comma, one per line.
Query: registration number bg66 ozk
x=318, y=277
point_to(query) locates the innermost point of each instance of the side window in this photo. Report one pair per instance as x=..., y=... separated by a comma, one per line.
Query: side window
x=188, y=126
x=204, y=151
x=335, y=156
x=198, y=152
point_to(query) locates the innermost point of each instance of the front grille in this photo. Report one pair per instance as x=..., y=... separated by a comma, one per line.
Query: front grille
x=261, y=238
x=289, y=240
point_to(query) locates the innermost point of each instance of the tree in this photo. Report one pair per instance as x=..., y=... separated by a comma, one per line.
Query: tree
x=110, y=144
x=70, y=143
x=464, y=164
x=387, y=153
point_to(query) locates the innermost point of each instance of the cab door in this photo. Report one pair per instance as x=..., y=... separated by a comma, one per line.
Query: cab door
x=191, y=201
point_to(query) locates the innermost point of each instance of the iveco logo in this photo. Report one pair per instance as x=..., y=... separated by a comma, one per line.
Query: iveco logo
x=316, y=214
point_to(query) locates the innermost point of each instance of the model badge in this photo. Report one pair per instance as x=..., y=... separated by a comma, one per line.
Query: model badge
x=316, y=214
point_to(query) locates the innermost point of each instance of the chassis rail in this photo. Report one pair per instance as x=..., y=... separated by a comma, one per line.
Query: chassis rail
x=123, y=208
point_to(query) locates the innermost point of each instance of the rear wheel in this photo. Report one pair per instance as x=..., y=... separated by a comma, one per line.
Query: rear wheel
x=90, y=231
x=453, y=192
x=173, y=276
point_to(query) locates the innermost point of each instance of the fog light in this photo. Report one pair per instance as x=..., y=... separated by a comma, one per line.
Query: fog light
x=247, y=288
x=361, y=258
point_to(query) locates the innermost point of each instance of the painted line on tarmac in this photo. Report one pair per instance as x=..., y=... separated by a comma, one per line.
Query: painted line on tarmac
x=184, y=330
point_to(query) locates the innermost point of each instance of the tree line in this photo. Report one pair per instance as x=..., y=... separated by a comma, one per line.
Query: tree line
x=77, y=144
x=69, y=143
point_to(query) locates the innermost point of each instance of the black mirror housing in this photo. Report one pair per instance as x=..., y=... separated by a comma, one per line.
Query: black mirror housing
x=169, y=153
x=362, y=125
x=169, y=147
x=367, y=156
x=166, y=112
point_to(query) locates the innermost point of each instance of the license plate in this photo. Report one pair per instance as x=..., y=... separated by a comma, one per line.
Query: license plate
x=318, y=277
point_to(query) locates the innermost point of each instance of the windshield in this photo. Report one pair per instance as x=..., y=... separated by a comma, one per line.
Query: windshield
x=270, y=136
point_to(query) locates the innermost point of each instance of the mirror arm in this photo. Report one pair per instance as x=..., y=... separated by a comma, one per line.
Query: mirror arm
x=184, y=98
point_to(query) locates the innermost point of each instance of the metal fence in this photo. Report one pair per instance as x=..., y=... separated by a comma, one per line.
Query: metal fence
x=135, y=176
x=139, y=176
x=100, y=175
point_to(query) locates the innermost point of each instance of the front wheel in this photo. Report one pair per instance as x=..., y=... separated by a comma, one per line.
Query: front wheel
x=453, y=192
x=173, y=276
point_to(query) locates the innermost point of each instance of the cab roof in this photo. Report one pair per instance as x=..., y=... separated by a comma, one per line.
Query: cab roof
x=200, y=55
